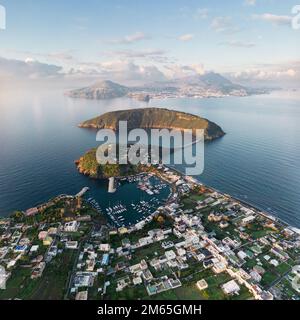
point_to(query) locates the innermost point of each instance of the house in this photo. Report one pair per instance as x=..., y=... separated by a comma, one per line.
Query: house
x=260, y=270
x=139, y=267
x=280, y=254
x=90, y=265
x=219, y=267
x=274, y=262
x=223, y=224
x=147, y=275
x=243, y=274
x=42, y=235
x=231, y=287
x=255, y=276
x=155, y=263
x=83, y=296
x=140, y=225
x=105, y=247
x=38, y=270
x=181, y=252
x=122, y=284
x=202, y=285
x=145, y=241
x=247, y=211
x=31, y=212
x=248, y=220
x=47, y=241
x=34, y=248
x=52, y=231
x=242, y=255
x=170, y=255
x=266, y=295
x=71, y=226
x=256, y=249
x=137, y=280
x=71, y=245
x=83, y=279
x=200, y=257
x=167, y=244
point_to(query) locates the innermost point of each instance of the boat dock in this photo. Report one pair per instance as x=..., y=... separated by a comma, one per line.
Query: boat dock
x=83, y=192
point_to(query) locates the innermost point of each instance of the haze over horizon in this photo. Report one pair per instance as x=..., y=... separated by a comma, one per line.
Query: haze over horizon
x=251, y=42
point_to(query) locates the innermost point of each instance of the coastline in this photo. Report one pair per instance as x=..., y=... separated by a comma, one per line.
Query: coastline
x=259, y=210
x=250, y=205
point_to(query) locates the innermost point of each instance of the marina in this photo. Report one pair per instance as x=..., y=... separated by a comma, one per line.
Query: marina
x=147, y=194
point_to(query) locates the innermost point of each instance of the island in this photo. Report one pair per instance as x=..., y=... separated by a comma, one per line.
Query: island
x=155, y=118
x=208, y=85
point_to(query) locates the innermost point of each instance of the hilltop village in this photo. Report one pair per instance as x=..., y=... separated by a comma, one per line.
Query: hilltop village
x=199, y=244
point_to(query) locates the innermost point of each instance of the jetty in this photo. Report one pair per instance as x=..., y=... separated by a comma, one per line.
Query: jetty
x=83, y=192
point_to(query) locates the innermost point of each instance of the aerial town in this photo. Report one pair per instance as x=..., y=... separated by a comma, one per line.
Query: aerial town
x=199, y=244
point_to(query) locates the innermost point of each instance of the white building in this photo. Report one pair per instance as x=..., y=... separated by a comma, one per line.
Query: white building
x=170, y=255
x=231, y=287
x=105, y=247
x=202, y=284
x=248, y=220
x=71, y=226
x=72, y=245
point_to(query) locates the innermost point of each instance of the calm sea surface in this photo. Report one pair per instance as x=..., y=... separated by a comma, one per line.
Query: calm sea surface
x=258, y=160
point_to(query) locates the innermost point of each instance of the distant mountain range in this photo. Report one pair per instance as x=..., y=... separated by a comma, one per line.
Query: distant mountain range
x=207, y=85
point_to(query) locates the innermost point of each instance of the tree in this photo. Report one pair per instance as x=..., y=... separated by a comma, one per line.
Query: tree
x=161, y=220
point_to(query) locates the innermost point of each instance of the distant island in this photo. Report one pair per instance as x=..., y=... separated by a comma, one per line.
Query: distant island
x=155, y=118
x=208, y=85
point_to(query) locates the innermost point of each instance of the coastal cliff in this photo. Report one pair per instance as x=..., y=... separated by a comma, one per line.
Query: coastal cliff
x=88, y=165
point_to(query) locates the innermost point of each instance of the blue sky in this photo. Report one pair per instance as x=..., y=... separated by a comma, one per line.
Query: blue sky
x=152, y=39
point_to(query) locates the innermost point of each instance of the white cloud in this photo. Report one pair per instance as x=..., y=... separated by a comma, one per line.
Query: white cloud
x=119, y=71
x=274, y=19
x=132, y=38
x=186, y=37
x=138, y=53
x=238, y=44
x=223, y=24
x=201, y=13
x=63, y=56
x=250, y=2
x=266, y=74
x=175, y=71
x=150, y=55
x=28, y=69
x=196, y=14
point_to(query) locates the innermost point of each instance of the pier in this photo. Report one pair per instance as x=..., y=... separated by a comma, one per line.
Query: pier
x=83, y=192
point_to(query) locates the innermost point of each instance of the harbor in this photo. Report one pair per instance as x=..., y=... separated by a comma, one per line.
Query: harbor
x=147, y=193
